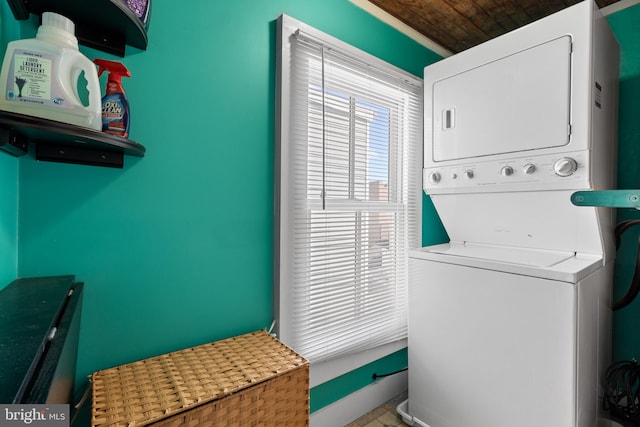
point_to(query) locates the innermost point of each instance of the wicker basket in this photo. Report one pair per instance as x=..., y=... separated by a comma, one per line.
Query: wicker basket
x=248, y=380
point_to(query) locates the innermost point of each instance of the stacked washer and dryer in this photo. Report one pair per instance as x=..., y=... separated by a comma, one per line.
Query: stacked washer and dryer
x=510, y=322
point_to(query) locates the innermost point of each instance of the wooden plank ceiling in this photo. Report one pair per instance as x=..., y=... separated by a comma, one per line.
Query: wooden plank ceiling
x=457, y=25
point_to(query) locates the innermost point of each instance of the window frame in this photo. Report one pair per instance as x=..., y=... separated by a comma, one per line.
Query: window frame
x=325, y=370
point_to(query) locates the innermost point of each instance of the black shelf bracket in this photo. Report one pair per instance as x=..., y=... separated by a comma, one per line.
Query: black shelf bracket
x=79, y=155
x=13, y=142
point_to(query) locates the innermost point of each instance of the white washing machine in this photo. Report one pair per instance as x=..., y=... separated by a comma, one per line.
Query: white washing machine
x=506, y=343
x=509, y=322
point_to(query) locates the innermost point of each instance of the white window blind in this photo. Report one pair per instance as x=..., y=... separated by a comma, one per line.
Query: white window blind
x=348, y=195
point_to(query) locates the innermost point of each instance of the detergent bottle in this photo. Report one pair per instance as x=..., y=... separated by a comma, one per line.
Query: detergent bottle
x=40, y=76
x=115, y=107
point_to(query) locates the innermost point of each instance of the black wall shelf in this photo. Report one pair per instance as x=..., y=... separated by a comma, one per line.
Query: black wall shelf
x=62, y=142
x=107, y=25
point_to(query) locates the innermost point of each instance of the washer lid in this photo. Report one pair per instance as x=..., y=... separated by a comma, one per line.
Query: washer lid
x=511, y=255
x=553, y=265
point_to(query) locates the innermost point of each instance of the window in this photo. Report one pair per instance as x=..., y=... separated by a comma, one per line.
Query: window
x=348, y=173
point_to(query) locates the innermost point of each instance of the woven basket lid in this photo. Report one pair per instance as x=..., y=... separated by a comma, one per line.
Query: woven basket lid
x=142, y=392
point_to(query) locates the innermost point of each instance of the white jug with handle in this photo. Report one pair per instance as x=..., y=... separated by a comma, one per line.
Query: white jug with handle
x=40, y=76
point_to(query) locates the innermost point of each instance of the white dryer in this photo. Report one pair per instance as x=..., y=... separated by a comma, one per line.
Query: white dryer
x=509, y=323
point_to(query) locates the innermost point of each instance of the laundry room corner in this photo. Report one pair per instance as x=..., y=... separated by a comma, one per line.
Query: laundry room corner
x=624, y=24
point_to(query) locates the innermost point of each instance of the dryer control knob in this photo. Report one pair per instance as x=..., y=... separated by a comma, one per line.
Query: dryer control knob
x=529, y=168
x=468, y=173
x=506, y=171
x=565, y=166
x=434, y=177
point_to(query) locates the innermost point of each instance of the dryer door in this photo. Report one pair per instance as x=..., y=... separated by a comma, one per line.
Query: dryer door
x=518, y=103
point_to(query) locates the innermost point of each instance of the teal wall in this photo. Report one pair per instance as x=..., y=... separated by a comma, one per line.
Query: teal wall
x=8, y=219
x=626, y=340
x=176, y=249
x=9, y=183
x=336, y=389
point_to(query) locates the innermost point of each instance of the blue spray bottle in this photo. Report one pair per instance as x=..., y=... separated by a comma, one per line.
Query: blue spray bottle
x=115, y=107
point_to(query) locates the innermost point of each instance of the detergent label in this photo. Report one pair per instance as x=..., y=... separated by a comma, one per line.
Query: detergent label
x=31, y=80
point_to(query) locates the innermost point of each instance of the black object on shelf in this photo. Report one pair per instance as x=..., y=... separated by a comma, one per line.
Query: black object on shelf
x=13, y=143
x=107, y=25
x=62, y=142
x=39, y=326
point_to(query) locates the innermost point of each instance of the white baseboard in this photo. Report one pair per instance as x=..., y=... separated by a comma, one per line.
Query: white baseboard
x=353, y=406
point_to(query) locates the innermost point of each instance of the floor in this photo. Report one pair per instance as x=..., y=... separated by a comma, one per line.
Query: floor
x=382, y=416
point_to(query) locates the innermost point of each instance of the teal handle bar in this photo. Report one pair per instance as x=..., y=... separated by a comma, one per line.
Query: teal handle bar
x=607, y=198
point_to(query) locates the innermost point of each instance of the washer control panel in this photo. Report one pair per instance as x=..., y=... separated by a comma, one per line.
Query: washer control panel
x=547, y=172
